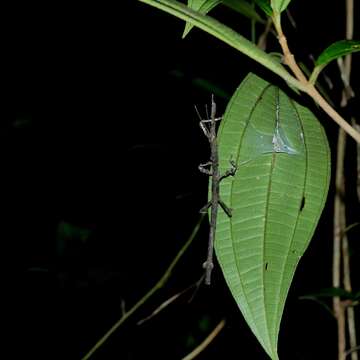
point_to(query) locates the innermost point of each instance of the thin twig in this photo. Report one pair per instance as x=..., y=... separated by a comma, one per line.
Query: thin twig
x=350, y=311
x=253, y=25
x=357, y=126
x=338, y=233
x=206, y=342
x=351, y=226
x=350, y=351
x=291, y=18
x=149, y=294
x=161, y=307
x=347, y=94
x=169, y=301
x=263, y=37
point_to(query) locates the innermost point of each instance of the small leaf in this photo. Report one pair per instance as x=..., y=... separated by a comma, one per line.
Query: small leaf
x=279, y=5
x=265, y=6
x=336, y=50
x=203, y=6
x=244, y=8
x=276, y=195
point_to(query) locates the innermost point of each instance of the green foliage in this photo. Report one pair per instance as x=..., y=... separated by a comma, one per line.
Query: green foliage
x=276, y=196
x=336, y=50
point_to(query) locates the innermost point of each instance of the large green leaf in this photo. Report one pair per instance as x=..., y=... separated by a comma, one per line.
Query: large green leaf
x=276, y=196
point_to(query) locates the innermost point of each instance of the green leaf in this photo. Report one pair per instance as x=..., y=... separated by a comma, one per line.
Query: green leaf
x=244, y=8
x=225, y=34
x=277, y=195
x=279, y=5
x=336, y=50
x=203, y=6
x=265, y=6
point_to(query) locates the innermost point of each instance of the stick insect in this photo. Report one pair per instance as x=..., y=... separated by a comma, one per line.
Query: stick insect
x=216, y=177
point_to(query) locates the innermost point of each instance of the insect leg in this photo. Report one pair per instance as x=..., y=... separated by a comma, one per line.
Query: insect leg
x=205, y=208
x=229, y=172
x=227, y=210
x=202, y=168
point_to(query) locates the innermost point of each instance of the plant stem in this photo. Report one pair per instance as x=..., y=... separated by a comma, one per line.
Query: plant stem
x=310, y=88
x=338, y=232
x=149, y=294
x=206, y=342
x=263, y=37
x=350, y=311
x=312, y=91
x=356, y=126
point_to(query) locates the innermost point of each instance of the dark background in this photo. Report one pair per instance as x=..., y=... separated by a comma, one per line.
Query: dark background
x=101, y=187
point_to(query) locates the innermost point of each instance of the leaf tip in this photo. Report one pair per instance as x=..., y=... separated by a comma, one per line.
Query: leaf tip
x=187, y=29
